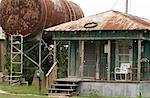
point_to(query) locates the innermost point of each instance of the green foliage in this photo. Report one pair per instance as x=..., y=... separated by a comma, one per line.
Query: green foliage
x=7, y=55
x=28, y=66
x=62, y=57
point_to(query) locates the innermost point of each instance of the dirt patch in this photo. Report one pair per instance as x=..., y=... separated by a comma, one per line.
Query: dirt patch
x=4, y=92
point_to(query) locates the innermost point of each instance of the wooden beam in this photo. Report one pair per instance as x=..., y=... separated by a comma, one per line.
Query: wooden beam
x=108, y=59
x=2, y=55
x=100, y=35
x=139, y=60
x=81, y=68
x=55, y=52
x=69, y=59
x=54, y=56
x=97, y=59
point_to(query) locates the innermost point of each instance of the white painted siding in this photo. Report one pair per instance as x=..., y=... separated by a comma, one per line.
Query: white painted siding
x=2, y=34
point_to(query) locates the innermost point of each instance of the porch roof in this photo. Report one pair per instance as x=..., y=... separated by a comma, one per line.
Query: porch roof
x=109, y=20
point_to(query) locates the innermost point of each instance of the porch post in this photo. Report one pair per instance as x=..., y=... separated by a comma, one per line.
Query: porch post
x=139, y=60
x=108, y=60
x=54, y=55
x=97, y=60
x=2, y=55
x=69, y=57
x=81, y=68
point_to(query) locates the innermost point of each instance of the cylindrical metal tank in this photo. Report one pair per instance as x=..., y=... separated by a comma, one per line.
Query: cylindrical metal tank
x=28, y=17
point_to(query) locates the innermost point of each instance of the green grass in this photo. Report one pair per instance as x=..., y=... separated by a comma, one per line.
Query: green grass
x=21, y=89
x=20, y=96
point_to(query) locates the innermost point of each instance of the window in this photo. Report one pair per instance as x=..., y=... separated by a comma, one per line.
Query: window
x=123, y=52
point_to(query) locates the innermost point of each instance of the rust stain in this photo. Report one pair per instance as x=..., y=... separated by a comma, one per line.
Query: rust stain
x=31, y=16
x=109, y=20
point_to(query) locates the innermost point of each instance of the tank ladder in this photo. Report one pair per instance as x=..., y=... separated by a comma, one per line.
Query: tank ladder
x=16, y=66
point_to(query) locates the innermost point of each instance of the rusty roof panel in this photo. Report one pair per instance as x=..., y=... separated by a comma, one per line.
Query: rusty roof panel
x=109, y=20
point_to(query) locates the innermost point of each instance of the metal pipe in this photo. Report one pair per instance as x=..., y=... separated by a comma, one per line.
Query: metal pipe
x=127, y=6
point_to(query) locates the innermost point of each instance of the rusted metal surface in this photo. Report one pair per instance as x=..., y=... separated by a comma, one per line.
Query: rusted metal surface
x=109, y=20
x=31, y=16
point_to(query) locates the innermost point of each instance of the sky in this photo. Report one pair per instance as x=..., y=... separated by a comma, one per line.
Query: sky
x=139, y=8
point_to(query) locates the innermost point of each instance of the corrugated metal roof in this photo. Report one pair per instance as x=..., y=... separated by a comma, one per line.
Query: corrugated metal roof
x=109, y=20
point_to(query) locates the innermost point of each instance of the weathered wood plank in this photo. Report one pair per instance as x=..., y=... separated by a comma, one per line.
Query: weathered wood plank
x=97, y=59
x=109, y=59
x=139, y=60
x=81, y=45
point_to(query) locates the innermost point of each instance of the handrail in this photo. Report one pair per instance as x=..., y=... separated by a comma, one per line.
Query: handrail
x=51, y=75
x=51, y=69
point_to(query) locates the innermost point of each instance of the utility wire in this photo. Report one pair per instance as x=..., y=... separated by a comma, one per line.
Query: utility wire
x=114, y=4
x=130, y=6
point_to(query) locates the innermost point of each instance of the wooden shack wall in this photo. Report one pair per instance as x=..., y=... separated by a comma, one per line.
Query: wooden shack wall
x=146, y=50
x=102, y=37
x=112, y=68
x=1, y=55
x=135, y=53
x=103, y=62
x=74, y=58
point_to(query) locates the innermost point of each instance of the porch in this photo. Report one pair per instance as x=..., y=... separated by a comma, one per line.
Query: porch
x=92, y=63
x=94, y=58
x=99, y=59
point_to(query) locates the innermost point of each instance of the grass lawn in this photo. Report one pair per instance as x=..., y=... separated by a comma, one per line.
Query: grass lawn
x=20, y=96
x=21, y=89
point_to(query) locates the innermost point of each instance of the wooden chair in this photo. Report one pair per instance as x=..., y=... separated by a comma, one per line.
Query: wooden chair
x=123, y=71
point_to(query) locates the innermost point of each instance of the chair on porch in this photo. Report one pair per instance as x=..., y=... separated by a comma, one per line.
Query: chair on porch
x=124, y=72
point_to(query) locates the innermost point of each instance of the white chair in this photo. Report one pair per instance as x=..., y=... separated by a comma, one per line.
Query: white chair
x=123, y=71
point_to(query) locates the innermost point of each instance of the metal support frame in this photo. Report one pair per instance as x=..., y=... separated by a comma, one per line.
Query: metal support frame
x=17, y=54
x=40, y=43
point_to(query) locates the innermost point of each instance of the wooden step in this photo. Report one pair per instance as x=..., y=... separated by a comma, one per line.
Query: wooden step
x=64, y=90
x=68, y=80
x=59, y=94
x=65, y=85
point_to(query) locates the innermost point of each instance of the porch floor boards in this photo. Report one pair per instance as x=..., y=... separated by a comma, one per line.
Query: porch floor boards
x=68, y=79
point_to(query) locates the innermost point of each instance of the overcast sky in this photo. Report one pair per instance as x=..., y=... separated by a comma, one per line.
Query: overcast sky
x=139, y=8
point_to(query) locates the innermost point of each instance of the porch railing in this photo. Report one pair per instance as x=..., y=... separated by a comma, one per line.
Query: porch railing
x=51, y=75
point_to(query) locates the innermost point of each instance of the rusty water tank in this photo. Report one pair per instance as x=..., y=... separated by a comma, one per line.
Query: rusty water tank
x=28, y=17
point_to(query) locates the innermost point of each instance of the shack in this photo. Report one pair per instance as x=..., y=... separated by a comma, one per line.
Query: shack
x=108, y=55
